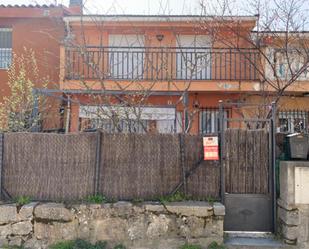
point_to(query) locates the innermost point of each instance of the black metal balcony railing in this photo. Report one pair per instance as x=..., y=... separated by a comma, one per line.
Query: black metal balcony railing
x=149, y=63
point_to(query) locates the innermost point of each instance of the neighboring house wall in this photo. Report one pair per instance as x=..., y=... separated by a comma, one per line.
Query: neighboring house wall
x=41, y=29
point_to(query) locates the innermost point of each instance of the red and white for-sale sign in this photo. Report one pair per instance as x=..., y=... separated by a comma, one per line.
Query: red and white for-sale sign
x=211, y=148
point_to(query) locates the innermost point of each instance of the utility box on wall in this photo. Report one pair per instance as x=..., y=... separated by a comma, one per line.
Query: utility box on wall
x=301, y=185
x=298, y=145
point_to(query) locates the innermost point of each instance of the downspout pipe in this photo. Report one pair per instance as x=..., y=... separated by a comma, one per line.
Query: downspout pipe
x=67, y=123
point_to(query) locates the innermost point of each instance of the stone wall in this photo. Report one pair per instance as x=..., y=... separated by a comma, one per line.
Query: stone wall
x=147, y=225
x=293, y=217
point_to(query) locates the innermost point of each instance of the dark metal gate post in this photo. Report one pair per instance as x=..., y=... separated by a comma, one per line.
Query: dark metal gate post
x=273, y=163
x=221, y=133
x=97, y=163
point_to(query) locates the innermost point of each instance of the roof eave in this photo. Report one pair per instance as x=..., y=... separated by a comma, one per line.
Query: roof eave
x=150, y=18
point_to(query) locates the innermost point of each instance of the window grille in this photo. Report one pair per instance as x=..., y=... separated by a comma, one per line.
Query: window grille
x=293, y=121
x=209, y=120
x=5, y=47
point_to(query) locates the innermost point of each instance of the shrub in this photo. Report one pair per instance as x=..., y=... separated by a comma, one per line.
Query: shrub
x=215, y=245
x=101, y=244
x=98, y=199
x=120, y=247
x=63, y=245
x=178, y=196
x=22, y=200
x=211, y=200
x=78, y=244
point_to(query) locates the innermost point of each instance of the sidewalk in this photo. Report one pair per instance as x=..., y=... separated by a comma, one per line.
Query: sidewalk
x=263, y=242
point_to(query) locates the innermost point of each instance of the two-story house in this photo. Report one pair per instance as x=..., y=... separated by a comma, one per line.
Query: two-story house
x=172, y=60
x=146, y=73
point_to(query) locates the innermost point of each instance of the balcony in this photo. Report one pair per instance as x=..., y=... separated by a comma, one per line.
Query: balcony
x=160, y=64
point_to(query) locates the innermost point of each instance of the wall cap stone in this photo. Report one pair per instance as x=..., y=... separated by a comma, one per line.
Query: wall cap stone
x=219, y=209
x=120, y=204
x=190, y=208
x=53, y=211
x=154, y=207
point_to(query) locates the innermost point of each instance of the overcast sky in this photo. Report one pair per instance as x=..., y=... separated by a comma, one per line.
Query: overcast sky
x=126, y=6
x=176, y=7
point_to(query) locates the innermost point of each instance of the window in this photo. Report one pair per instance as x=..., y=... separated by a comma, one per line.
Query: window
x=123, y=126
x=209, y=120
x=5, y=47
x=296, y=61
x=126, y=57
x=130, y=119
x=293, y=121
x=193, y=57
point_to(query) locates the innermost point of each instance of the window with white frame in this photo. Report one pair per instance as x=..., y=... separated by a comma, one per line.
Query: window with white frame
x=122, y=126
x=209, y=120
x=293, y=121
x=5, y=47
x=130, y=119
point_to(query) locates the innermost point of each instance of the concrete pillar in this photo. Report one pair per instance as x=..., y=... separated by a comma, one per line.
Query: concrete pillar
x=293, y=204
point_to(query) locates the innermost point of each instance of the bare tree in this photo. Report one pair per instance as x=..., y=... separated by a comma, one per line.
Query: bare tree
x=279, y=39
x=134, y=71
x=274, y=56
x=16, y=109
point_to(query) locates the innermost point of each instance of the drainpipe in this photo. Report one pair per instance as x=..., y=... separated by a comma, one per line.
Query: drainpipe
x=67, y=124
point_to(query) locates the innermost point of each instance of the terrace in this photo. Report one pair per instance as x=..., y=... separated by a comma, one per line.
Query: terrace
x=160, y=63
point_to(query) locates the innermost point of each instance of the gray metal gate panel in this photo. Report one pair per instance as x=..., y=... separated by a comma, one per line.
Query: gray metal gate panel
x=248, y=212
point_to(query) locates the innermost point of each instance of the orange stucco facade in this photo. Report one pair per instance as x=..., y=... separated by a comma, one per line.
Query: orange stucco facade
x=207, y=93
x=49, y=31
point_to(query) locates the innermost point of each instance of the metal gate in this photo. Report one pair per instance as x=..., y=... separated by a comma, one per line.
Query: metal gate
x=247, y=168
